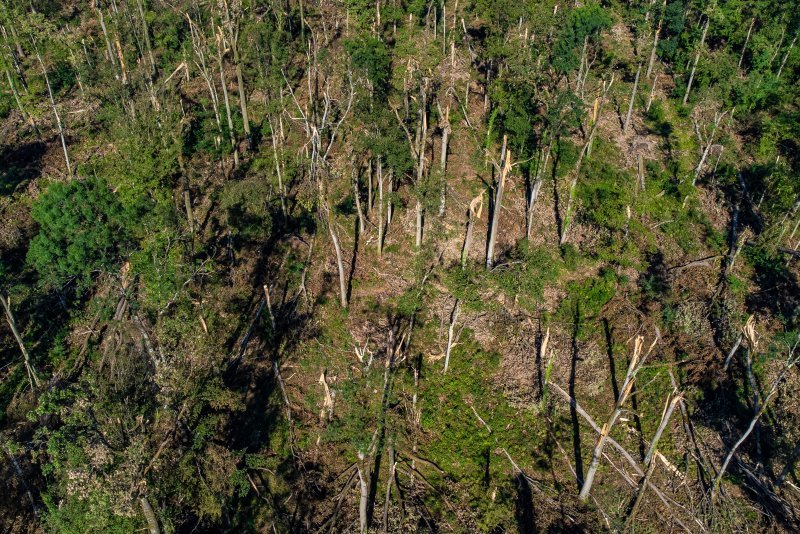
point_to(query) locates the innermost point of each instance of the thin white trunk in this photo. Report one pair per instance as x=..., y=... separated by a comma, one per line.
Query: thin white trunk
x=633, y=368
x=380, y=206
x=633, y=99
x=32, y=377
x=656, y=36
x=536, y=188
x=450, y=332
x=696, y=60
x=504, y=167
x=55, y=113
x=227, y=100
x=747, y=40
x=786, y=56
x=581, y=157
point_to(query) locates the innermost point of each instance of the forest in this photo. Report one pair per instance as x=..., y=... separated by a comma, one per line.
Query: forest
x=380, y=266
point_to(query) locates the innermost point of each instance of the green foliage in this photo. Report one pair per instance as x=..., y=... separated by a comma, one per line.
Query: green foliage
x=585, y=299
x=605, y=193
x=371, y=55
x=83, y=227
x=76, y=515
x=246, y=209
x=524, y=274
x=584, y=22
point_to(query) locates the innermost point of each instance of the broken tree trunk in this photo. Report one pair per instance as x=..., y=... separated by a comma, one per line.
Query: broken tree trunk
x=450, y=333
x=150, y=516
x=791, y=361
x=220, y=46
x=32, y=377
x=445, y=118
x=379, y=172
x=581, y=157
x=55, y=113
x=633, y=99
x=473, y=213
x=747, y=40
x=503, y=167
x=696, y=60
x=536, y=187
x=357, y=197
x=655, y=41
x=637, y=359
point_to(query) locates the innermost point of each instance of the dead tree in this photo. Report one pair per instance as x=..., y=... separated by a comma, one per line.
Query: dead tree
x=696, y=60
x=656, y=35
x=633, y=99
x=582, y=156
x=55, y=111
x=473, y=213
x=278, y=169
x=199, y=46
x=637, y=359
x=32, y=377
x=220, y=46
x=786, y=56
x=706, y=141
x=791, y=361
x=649, y=460
x=450, y=332
x=444, y=119
x=321, y=128
x=746, y=40
x=536, y=187
x=503, y=166
x=418, y=144
x=357, y=196
x=379, y=172
x=232, y=15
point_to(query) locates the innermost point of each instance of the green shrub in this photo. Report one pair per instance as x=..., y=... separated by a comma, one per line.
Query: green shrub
x=82, y=227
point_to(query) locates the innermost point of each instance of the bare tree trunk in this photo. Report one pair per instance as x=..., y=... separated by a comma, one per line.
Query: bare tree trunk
x=389, y=482
x=109, y=52
x=339, y=262
x=656, y=36
x=357, y=197
x=242, y=94
x=364, y=500
x=220, y=46
x=147, y=43
x=633, y=99
x=633, y=368
x=581, y=157
x=786, y=56
x=443, y=157
x=696, y=60
x=710, y=142
x=652, y=92
x=536, y=188
x=379, y=171
x=369, y=187
x=25, y=115
x=503, y=167
x=390, y=203
x=32, y=377
x=791, y=361
x=150, y=516
x=55, y=113
x=747, y=40
x=421, y=142
x=450, y=331
x=281, y=192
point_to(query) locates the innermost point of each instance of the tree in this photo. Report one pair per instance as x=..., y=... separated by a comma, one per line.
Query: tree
x=82, y=228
